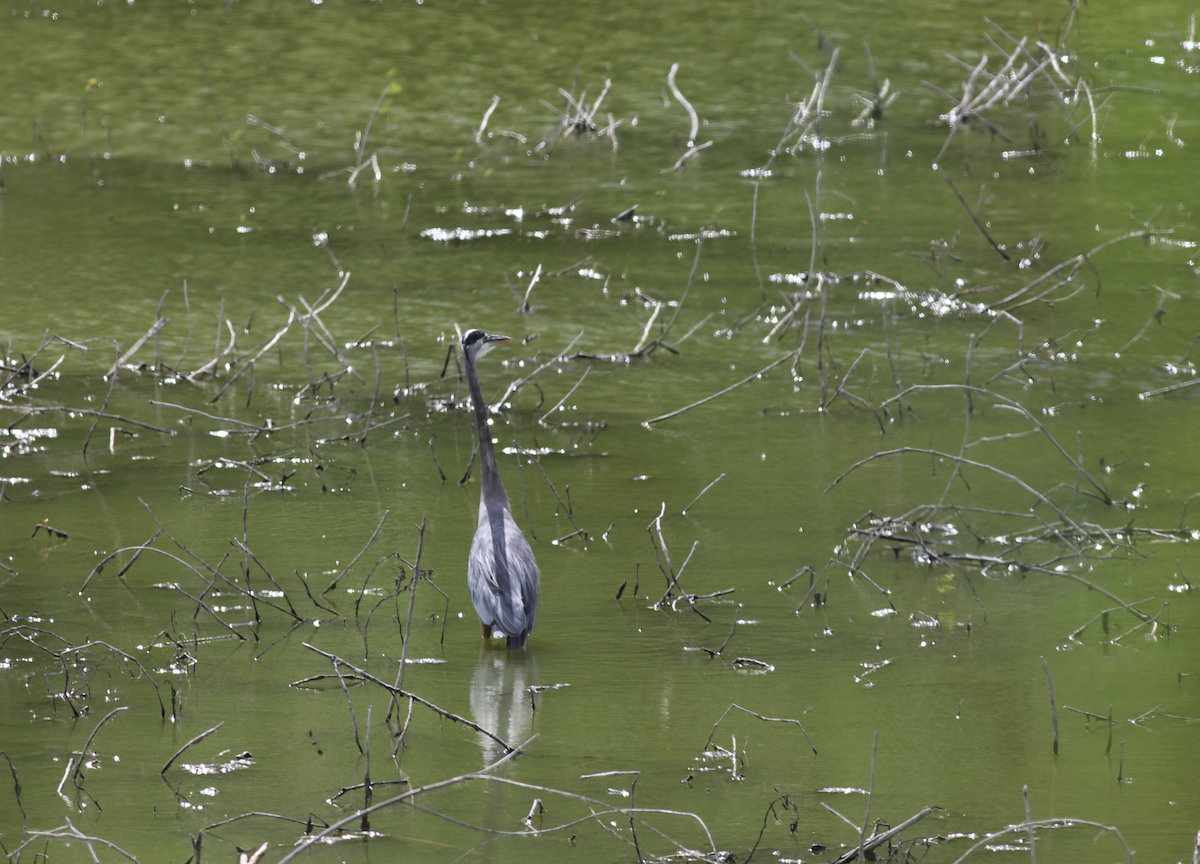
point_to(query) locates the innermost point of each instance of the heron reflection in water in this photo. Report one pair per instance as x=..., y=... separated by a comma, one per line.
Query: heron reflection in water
x=501, y=572
x=500, y=700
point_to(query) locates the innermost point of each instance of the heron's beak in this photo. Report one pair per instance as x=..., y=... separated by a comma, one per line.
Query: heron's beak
x=489, y=342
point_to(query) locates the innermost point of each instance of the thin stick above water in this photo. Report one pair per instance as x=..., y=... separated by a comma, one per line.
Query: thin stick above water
x=702, y=491
x=362, y=552
x=412, y=599
x=486, y=116
x=1053, y=708
x=733, y=705
x=971, y=213
x=124, y=358
x=745, y=380
x=862, y=834
x=686, y=104
x=195, y=740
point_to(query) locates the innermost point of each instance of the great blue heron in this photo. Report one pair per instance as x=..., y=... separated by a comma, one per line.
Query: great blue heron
x=501, y=572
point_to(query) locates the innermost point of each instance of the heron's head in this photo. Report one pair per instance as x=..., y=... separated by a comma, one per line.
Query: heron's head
x=476, y=343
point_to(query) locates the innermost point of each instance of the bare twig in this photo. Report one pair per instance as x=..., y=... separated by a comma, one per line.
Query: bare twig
x=691, y=152
x=971, y=213
x=362, y=552
x=733, y=705
x=732, y=387
x=691, y=141
x=1053, y=707
x=195, y=740
x=486, y=116
x=879, y=839
x=702, y=491
x=78, y=778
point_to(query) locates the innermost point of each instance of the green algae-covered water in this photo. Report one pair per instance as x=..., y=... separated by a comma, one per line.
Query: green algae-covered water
x=290, y=211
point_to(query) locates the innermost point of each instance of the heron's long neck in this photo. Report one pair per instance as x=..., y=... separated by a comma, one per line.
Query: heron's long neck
x=493, y=489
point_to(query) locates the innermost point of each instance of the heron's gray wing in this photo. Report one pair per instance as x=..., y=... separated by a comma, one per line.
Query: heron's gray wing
x=502, y=573
x=524, y=582
x=481, y=576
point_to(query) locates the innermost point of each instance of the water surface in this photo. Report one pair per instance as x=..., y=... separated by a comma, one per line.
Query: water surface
x=132, y=168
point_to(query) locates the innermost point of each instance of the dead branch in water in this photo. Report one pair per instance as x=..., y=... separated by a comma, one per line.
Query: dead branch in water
x=401, y=694
x=691, y=139
x=1072, y=265
x=974, y=218
x=790, y=355
x=732, y=705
